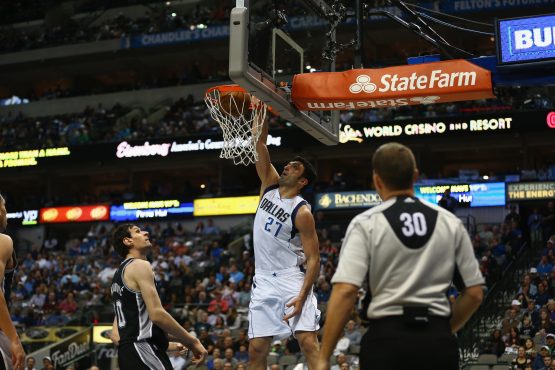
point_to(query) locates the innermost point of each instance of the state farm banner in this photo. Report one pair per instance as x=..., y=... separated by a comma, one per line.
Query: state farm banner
x=438, y=82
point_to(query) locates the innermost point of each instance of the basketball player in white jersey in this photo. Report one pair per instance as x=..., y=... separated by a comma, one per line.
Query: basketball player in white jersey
x=12, y=355
x=287, y=260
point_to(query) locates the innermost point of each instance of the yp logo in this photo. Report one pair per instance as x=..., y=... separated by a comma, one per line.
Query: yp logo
x=363, y=84
x=425, y=99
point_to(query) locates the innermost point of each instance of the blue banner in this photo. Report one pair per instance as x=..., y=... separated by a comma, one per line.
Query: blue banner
x=461, y=6
x=488, y=194
x=526, y=39
x=120, y=213
x=175, y=37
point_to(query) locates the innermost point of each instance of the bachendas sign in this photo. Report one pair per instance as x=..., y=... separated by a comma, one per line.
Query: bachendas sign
x=439, y=82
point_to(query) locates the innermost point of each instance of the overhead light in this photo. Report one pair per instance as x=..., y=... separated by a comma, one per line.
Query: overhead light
x=193, y=27
x=279, y=71
x=312, y=70
x=168, y=3
x=202, y=186
x=308, y=67
x=485, y=177
x=201, y=26
x=174, y=15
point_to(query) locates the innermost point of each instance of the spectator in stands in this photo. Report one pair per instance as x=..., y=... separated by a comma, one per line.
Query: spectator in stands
x=550, y=341
x=216, y=355
x=206, y=341
x=521, y=361
x=513, y=340
x=544, y=267
x=229, y=356
x=235, y=276
x=242, y=355
x=548, y=221
x=538, y=361
x=527, y=329
x=530, y=349
x=527, y=281
x=509, y=322
x=447, y=201
x=546, y=363
x=535, y=227
x=30, y=364
x=46, y=363
x=512, y=216
x=241, y=340
x=543, y=295
x=68, y=305
x=341, y=359
x=352, y=333
x=219, y=302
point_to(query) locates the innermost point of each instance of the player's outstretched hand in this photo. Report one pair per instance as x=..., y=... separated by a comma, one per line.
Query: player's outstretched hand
x=18, y=355
x=297, y=305
x=199, y=352
x=174, y=347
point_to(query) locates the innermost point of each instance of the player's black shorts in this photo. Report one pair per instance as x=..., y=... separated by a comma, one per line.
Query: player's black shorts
x=389, y=344
x=143, y=356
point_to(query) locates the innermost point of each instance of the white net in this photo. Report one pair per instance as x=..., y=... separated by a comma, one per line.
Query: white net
x=240, y=119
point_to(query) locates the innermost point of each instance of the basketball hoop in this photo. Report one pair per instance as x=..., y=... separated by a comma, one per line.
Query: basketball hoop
x=240, y=116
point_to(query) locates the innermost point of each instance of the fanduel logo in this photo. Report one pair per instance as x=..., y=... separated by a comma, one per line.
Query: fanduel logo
x=393, y=82
x=375, y=103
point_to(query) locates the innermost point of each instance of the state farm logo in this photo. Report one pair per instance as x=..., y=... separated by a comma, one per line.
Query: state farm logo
x=363, y=84
x=396, y=82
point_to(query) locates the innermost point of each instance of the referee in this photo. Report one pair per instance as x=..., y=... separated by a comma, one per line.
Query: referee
x=410, y=251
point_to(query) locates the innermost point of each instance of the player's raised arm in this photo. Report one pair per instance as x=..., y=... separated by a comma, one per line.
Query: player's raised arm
x=141, y=272
x=266, y=171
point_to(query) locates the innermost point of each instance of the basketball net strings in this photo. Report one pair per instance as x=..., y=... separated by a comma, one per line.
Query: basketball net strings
x=241, y=132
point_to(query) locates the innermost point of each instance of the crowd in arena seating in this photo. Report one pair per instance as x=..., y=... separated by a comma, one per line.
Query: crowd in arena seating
x=205, y=283
x=186, y=117
x=202, y=282
x=525, y=333
x=160, y=18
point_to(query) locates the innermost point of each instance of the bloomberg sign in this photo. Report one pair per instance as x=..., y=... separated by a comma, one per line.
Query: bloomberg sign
x=523, y=40
x=127, y=150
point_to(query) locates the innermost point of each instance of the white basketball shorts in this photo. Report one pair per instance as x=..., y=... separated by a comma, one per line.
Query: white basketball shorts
x=271, y=292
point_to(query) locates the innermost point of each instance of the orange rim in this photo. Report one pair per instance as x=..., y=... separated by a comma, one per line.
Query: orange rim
x=226, y=89
x=237, y=88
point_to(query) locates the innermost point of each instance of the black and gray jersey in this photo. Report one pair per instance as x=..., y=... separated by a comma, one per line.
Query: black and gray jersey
x=7, y=279
x=134, y=324
x=410, y=251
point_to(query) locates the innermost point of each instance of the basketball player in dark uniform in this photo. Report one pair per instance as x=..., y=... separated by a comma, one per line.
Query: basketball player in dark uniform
x=410, y=251
x=141, y=323
x=12, y=355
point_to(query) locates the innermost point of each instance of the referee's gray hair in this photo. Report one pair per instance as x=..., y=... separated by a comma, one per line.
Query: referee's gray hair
x=395, y=164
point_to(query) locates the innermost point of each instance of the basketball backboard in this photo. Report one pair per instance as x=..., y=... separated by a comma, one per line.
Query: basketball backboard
x=270, y=42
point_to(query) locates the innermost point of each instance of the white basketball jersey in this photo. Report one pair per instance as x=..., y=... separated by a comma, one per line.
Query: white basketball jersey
x=277, y=245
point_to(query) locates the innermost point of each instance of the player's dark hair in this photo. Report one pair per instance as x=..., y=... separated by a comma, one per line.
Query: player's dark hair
x=395, y=164
x=119, y=233
x=309, y=172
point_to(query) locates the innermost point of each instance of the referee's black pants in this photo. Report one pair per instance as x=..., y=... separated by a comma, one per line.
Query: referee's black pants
x=391, y=344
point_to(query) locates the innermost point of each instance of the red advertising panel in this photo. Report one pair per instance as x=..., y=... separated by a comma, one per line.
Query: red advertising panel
x=99, y=212
x=438, y=82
